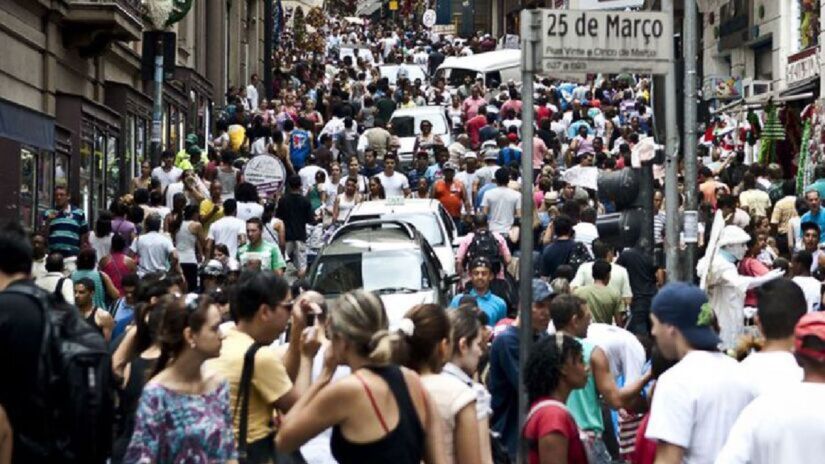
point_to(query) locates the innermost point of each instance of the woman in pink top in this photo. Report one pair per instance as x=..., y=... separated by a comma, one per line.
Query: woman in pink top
x=750, y=266
x=116, y=265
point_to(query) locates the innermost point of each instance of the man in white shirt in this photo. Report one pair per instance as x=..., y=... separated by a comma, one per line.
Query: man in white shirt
x=625, y=353
x=252, y=92
x=155, y=251
x=308, y=172
x=585, y=230
x=697, y=400
x=801, y=264
x=502, y=205
x=54, y=281
x=619, y=279
x=786, y=425
x=781, y=305
x=395, y=184
x=228, y=230
x=167, y=173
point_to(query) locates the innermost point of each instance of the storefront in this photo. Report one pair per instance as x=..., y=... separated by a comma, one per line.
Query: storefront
x=135, y=109
x=175, y=112
x=94, y=157
x=200, y=93
x=35, y=158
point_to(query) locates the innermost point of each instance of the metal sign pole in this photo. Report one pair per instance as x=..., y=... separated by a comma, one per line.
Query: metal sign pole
x=530, y=27
x=671, y=168
x=691, y=197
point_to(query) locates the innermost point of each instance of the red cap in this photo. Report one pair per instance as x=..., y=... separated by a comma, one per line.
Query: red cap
x=512, y=137
x=811, y=324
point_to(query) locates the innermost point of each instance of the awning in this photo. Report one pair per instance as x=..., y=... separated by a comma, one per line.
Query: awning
x=810, y=84
x=26, y=126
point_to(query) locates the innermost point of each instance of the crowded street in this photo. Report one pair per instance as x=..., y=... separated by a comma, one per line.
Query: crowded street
x=479, y=232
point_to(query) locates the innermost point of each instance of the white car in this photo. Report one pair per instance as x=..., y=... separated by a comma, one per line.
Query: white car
x=390, y=258
x=406, y=125
x=428, y=216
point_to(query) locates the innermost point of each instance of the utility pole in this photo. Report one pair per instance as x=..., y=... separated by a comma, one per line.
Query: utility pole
x=671, y=168
x=269, y=38
x=691, y=215
x=157, y=104
x=530, y=27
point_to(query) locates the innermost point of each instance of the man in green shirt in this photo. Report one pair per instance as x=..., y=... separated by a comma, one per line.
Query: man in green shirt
x=604, y=302
x=258, y=254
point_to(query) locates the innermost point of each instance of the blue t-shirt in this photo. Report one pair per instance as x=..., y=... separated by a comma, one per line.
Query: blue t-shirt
x=299, y=147
x=818, y=219
x=507, y=155
x=493, y=305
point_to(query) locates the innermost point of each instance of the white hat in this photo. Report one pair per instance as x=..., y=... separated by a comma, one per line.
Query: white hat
x=470, y=154
x=732, y=235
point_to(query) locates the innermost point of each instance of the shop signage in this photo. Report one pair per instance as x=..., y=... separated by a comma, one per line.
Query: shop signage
x=605, y=4
x=576, y=41
x=265, y=172
x=801, y=66
x=721, y=88
x=428, y=18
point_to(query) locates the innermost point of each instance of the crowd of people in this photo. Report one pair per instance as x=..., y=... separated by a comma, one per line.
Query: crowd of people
x=218, y=349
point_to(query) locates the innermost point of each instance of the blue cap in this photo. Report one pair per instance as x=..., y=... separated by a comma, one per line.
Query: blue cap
x=684, y=306
x=541, y=291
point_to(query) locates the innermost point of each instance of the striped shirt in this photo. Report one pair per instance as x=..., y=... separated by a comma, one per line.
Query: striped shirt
x=65, y=229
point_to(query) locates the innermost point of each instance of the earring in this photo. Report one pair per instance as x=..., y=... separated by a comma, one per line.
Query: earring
x=193, y=345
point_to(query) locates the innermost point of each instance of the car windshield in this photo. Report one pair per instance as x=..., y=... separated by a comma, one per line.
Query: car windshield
x=410, y=126
x=426, y=223
x=373, y=271
x=457, y=76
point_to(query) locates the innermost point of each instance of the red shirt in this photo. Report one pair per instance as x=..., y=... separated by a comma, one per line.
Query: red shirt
x=473, y=126
x=554, y=419
x=451, y=196
x=644, y=451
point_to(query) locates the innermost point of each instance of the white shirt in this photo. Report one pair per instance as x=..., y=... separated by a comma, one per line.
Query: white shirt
x=619, y=280
x=252, y=96
x=153, y=249
x=696, y=403
x=394, y=185
x=785, y=426
x=226, y=230
x=625, y=353
x=49, y=282
x=307, y=174
x=173, y=189
x=812, y=289
x=249, y=210
x=317, y=450
x=770, y=370
x=503, y=203
x=166, y=178
x=586, y=233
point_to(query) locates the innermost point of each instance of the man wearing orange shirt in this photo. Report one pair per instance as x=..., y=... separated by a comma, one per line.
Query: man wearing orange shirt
x=451, y=193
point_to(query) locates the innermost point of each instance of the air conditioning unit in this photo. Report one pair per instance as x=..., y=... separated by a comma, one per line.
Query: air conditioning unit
x=752, y=88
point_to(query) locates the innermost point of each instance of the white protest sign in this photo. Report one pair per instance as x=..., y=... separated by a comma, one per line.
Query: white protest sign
x=580, y=41
x=265, y=172
x=586, y=177
x=428, y=18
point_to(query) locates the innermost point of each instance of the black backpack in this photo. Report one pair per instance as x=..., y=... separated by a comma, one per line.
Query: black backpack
x=578, y=256
x=484, y=244
x=74, y=398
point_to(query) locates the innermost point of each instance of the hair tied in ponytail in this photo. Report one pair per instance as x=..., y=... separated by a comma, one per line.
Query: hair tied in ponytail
x=406, y=326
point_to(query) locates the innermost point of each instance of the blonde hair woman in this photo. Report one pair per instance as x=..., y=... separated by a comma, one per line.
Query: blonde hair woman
x=380, y=413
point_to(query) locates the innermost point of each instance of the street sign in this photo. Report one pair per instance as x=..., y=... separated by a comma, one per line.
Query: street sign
x=266, y=173
x=577, y=41
x=428, y=18
x=393, y=5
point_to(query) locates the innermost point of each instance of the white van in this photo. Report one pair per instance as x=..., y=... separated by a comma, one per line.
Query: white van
x=495, y=68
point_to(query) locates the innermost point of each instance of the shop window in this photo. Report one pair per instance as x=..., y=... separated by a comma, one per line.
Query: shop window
x=45, y=181
x=141, y=128
x=99, y=171
x=86, y=161
x=809, y=13
x=130, y=160
x=28, y=187
x=61, y=170
x=113, y=171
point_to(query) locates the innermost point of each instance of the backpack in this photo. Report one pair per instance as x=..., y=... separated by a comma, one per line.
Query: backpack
x=75, y=397
x=484, y=244
x=578, y=256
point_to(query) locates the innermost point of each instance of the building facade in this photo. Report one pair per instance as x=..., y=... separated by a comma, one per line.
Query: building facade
x=75, y=108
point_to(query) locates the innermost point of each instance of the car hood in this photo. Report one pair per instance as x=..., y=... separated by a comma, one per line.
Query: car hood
x=406, y=145
x=397, y=304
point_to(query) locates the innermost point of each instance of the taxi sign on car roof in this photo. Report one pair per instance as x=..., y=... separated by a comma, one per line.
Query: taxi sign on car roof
x=395, y=201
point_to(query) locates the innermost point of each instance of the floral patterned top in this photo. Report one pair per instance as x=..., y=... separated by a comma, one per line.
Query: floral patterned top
x=173, y=427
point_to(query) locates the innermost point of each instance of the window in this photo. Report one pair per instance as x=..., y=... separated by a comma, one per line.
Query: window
x=61, y=170
x=98, y=177
x=45, y=185
x=28, y=186
x=113, y=170
x=129, y=147
x=86, y=150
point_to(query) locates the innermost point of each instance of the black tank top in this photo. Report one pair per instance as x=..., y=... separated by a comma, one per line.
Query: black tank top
x=402, y=445
x=91, y=320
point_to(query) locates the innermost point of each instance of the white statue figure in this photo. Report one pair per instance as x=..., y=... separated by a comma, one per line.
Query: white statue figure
x=721, y=280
